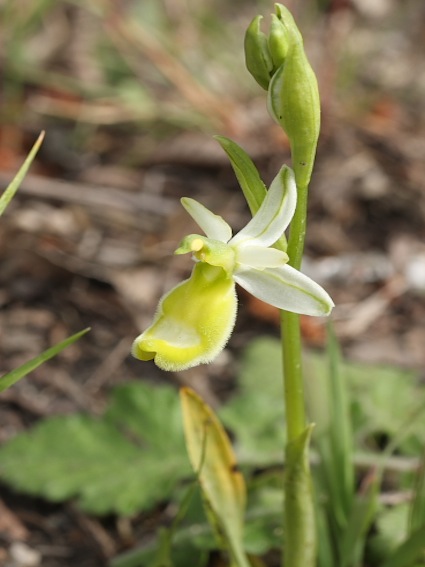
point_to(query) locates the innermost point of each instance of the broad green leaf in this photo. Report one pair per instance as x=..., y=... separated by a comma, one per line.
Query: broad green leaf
x=256, y=413
x=212, y=458
x=123, y=462
x=409, y=551
x=11, y=189
x=263, y=525
x=381, y=400
x=390, y=530
x=10, y=378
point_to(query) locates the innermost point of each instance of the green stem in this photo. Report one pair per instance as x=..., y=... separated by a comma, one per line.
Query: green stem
x=290, y=328
x=292, y=371
x=299, y=520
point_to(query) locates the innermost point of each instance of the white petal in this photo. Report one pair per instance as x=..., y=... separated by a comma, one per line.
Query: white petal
x=286, y=288
x=260, y=257
x=275, y=213
x=213, y=225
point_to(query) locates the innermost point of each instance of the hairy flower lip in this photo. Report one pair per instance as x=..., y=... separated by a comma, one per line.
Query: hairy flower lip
x=193, y=321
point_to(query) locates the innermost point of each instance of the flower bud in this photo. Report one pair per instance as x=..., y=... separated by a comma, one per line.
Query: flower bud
x=279, y=64
x=294, y=103
x=257, y=55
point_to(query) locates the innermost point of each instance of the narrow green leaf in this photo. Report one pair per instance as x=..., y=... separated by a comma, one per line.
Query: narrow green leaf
x=325, y=550
x=329, y=407
x=212, y=458
x=417, y=508
x=340, y=432
x=362, y=513
x=11, y=189
x=10, y=378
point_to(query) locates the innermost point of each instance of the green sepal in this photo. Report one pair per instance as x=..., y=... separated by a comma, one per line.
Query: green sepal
x=287, y=19
x=249, y=179
x=278, y=42
x=258, y=59
x=299, y=515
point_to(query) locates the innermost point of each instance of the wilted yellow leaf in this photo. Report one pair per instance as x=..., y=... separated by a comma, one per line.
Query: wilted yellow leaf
x=213, y=460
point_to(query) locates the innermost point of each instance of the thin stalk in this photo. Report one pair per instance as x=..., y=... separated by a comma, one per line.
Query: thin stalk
x=290, y=330
x=298, y=515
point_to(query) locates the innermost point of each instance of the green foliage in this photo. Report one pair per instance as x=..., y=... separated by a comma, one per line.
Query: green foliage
x=383, y=400
x=133, y=457
x=125, y=461
x=13, y=186
x=255, y=414
x=346, y=515
x=188, y=536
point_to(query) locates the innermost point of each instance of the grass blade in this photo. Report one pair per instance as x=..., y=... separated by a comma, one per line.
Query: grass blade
x=341, y=437
x=10, y=378
x=417, y=508
x=362, y=514
x=11, y=189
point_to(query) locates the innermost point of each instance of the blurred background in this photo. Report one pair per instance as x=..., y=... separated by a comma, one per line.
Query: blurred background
x=130, y=94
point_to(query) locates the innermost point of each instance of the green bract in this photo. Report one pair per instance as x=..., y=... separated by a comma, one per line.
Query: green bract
x=195, y=319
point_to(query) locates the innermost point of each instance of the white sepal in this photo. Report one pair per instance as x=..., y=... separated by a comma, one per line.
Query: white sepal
x=274, y=215
x=214, y=226
x=260, y=257
x=286, y=288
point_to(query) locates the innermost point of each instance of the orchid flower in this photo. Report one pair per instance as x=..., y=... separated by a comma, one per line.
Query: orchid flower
x=194, y=320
